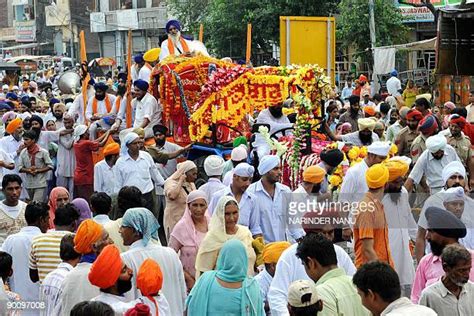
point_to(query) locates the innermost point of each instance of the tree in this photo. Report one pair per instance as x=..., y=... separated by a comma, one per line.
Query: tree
x=353, y=24
x=190, y=13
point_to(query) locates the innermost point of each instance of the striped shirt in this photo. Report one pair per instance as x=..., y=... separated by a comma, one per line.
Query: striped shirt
x=50, y=290
x=44, y=255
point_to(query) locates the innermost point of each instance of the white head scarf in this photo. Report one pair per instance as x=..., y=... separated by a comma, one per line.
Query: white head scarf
x=79, y=130
x=436, y=143
x=130, y=137
x=268, y=163
x=451, y=169
x=213, y=165
x=454, y=194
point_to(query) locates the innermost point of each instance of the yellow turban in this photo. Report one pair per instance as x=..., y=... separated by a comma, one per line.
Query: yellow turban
x=13, y=125
x=273, y=251
x=396, y=169
x=152, y=55
x=376, y=176
x=139, y=131
x=366, y=123
x=87, y=234
x=314, y=174
x=111, y=149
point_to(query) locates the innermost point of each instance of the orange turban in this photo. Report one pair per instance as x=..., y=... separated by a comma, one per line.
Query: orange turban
x=376, y=176
x=149, y=278
x=396, y=169
x=106, y=269
x=111, y=149
x=88, y=233
x=369, y=110
x=13, y=125
x=273, y=251
x=314, y=174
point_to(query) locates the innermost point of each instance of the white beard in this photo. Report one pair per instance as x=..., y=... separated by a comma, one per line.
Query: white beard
x=175, y=38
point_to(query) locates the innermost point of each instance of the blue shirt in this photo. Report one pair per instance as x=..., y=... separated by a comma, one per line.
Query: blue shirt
x=224, y=301
x=249, y=215
x=273, y=211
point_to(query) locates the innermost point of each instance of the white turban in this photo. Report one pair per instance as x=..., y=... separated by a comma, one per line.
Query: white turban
x=79, y=130
x=436, y=143
x=130, y=137
x=366, y=123
x=244, y=170
x=239, y=153
x=453, y=194
x=379, y=148
x=451, y=169
x=213, y=165
x=268, y=163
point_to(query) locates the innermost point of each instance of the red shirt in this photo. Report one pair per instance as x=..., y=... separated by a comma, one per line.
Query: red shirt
x=84, y=173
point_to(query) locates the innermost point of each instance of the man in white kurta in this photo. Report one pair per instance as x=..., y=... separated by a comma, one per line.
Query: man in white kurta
x=66, y=157
x=401, y=224
x=289, y=269
x=99, y=107
x=175, y=45
x=274, y=117
x=146, y=107
x=141, y=69
x=174, y=287
x=78, y=106
x=213, y=166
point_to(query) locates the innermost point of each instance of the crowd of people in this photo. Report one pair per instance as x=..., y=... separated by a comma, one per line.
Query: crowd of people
x=101, y=214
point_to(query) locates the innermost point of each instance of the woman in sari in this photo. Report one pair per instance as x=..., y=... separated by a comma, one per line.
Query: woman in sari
x=177, y=187
x=227, y=290
x=223, y=226
x=188, y=234
x=58, y=197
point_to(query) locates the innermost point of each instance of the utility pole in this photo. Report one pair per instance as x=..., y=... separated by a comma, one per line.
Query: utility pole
x=373, y=41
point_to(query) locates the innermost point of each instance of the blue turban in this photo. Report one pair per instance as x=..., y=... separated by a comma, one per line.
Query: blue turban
x=122, y=76
x=138, y=58
x=101, y=86
x=36, y=118
x=5, y=106
x=174, y=23
x=141, y=84
x=394, y=73
x=11, y=95
x=91, y=82
x=267, y=163
x=25, y=100
x=53, y=101
x=143, y=221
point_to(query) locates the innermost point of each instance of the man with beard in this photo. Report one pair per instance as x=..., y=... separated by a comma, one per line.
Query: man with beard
x=453, y=294
x=354, y=113
x=401, y=224
x=112, y=276
x=273, y=116
x=432, y=161
x=407, y=134
x=454, y=176
x=77, y=108
x=120, y=105
x=147, y=109
x=363, y=137
x=12, y=144
x=454, y=201
x=175, y=45
x=443, y=229
x=330, y=159
x=248, y=214
x=58, y=112
x=90, y=240
x=461, y=143
x=98, y=109
x=141, y=69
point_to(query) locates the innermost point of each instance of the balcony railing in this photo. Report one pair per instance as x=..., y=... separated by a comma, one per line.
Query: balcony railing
x=135, y=19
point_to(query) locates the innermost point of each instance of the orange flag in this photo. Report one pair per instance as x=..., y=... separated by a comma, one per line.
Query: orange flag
x=249, y=43
x=129, y=81
x=201, y=33
x=86, y=77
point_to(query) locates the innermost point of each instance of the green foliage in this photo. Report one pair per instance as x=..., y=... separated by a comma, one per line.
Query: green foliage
x=190, y=13
x=353, y=24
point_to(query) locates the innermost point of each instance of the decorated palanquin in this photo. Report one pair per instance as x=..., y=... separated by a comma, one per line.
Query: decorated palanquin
x=232, y=94
x=177, y=82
